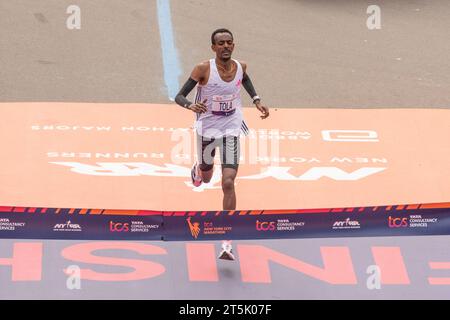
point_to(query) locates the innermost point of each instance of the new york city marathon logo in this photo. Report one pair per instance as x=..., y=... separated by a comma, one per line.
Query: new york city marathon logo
x=194, y=227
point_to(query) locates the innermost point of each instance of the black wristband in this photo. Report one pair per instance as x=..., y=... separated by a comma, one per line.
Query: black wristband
x=182, y=101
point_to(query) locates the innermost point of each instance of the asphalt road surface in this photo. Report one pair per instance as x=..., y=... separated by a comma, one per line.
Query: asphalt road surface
x=301, y=53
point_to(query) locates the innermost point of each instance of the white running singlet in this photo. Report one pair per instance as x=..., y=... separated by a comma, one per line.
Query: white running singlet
x=224, y=116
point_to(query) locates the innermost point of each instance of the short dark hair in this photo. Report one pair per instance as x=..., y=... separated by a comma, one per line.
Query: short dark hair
x=221, y=30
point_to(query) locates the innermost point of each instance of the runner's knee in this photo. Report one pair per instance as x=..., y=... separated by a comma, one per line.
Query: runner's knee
x=228, y=184
x=207, y=174
x=206, y=179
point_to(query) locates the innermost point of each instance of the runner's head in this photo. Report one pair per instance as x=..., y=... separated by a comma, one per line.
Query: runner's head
x=222, y=44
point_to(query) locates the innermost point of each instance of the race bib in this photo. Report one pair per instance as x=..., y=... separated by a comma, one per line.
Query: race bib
x=224, y=105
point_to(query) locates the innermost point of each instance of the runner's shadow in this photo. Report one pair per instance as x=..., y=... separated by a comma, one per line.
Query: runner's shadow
x=227, y=272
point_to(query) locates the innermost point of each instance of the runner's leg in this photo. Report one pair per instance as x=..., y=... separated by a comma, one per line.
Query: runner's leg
x=206, y=150
x=229, y=193
x=230, y=163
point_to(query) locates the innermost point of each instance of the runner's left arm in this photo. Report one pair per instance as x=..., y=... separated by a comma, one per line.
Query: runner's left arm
x=248, y=86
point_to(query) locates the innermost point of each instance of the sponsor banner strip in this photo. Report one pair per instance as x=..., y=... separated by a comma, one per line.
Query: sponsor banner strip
x=6, y=209
x=79, y=225
x=102, y=224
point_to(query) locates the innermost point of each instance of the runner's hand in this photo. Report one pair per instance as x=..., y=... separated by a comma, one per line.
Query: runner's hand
x=199, y=107
x=263, y=109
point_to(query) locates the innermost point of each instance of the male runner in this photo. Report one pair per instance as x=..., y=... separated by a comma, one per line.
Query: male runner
x=219, y=115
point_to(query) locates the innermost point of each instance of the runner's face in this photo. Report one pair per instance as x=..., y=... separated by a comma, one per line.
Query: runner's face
x=223, y=46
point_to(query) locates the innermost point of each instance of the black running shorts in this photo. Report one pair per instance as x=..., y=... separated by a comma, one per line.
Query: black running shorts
x=229, y=148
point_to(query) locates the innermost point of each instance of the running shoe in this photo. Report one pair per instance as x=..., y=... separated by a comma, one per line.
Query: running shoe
x=227, y=251
x=195, y=176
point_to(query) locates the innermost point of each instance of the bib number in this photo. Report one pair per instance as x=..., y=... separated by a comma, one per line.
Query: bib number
x=224, y=105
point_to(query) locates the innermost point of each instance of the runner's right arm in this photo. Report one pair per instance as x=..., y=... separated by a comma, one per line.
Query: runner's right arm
x=181, y=98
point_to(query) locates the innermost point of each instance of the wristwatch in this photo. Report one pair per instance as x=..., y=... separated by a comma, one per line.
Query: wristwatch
x=256, y=98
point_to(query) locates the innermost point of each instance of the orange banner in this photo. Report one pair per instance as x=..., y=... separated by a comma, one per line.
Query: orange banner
x=139, y=156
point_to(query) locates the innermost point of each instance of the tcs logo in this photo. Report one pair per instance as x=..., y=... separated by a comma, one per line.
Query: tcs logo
x=398, y=222
x=119, y=227
x=265, y=226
